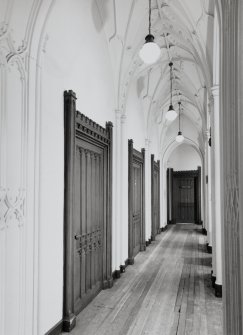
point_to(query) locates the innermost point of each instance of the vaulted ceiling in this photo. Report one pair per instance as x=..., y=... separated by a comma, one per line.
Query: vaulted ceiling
x=182, y=28
x=184, y=31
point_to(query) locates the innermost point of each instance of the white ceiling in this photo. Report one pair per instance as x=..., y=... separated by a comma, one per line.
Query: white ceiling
x=184, y=31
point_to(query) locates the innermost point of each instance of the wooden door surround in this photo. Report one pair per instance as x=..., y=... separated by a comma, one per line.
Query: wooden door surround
x=87, y=210
x=186, y=196
x=155, y=198
x=136, y=202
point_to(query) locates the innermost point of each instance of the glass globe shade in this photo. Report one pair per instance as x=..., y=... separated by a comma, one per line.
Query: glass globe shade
x=150, y=51
x=171, y=115
x=179, y=137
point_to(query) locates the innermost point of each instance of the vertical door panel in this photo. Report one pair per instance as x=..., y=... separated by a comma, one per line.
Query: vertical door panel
x=87, y=210
x=88, y=223
x=136, y=234
x=185, y=196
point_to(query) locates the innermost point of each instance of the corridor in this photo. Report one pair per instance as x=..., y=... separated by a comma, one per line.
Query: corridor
x=167, y=291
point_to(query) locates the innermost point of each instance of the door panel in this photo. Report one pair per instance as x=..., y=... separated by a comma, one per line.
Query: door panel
x=136, y=238
x=87, y=210
x=137, y=207
x=155, y=198
x=88, y=223
x=185, y=196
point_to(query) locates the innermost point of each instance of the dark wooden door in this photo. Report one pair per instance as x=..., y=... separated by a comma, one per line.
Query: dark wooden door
x=155, y=197
x=136, y=238
x=185, y=196
x=137, y=207
x=90, y=163
x=87, y=210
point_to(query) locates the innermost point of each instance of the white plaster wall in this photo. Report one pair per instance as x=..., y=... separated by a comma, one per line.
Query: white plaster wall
x=135, y=118
x=184, y=157
x=72, y=59
x=189, y=131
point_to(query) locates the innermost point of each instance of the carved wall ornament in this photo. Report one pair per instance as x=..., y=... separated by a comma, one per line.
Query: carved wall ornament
x=232, y=202
x=3, y=29
x=12, y=206
x=90, y=242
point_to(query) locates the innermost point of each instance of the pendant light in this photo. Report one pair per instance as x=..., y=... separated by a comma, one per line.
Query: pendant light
x=179, y=137
x=150, y=51
x=171, y=115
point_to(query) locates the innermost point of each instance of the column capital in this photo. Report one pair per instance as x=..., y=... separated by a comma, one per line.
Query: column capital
x=118, y=113
x=147, y=143
x=207, y=133
x=123, y=118
x=210, y=103
x=215, y=90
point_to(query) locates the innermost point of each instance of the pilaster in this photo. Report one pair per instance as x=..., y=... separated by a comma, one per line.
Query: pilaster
x=148, y=190
x=217, y=186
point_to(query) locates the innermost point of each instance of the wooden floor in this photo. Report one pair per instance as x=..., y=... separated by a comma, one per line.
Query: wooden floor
x=167, y=291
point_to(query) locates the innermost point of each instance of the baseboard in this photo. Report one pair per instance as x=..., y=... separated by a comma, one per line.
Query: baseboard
x=164, y=228
x=122, y=268
x=116, y=274
x=108, y=283
x=209, y=248
x=149, y=240
x=152, y=238
x=130, y=261
x=56, y=330
x=69, y=323
x=147, y=243
x=126, y=262
x=213, y=279
x=143, y=247
x=218, y=291
x=204, y=231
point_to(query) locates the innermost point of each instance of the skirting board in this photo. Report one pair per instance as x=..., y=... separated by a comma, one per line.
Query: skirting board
x=204, y=231
x=56, y=330
x=209, y=248
x=116, y=274
x=218, y=291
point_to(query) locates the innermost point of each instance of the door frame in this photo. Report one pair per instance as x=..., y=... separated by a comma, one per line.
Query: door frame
x=135, y=156
x=76, y=125
x=155, y=166
x=196, y=174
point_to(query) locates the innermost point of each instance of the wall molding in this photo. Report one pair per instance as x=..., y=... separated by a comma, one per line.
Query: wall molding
x=12, y=205
x=55, y=330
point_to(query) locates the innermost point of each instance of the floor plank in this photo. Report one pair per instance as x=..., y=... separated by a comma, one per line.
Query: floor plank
x=167, y=291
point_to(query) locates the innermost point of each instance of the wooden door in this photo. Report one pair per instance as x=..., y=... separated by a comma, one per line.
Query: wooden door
x=155, y=198
x=87, y=210
x=185, y=196
x=136, y=238
x=90, y=162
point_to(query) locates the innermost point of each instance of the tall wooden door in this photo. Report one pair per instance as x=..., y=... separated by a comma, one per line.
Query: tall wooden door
x=136, y=238
x=155, y=198
x=186, y=198
x=87, y=210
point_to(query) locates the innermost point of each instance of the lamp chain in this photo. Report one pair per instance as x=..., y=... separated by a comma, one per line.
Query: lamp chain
x=149, y=17
x=170, y=84
x=179, y=116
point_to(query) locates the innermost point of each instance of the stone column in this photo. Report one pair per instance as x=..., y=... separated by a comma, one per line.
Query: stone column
x=117, y=187
x=148, y=191
x=212, y=191
x=218, y=192
x=208, y=194
x=124, y=194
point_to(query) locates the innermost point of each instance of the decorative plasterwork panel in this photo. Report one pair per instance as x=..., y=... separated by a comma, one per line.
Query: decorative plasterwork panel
x=232, y=202
x=12, y=207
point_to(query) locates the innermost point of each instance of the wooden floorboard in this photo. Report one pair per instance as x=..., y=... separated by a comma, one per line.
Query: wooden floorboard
x=166, y=292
